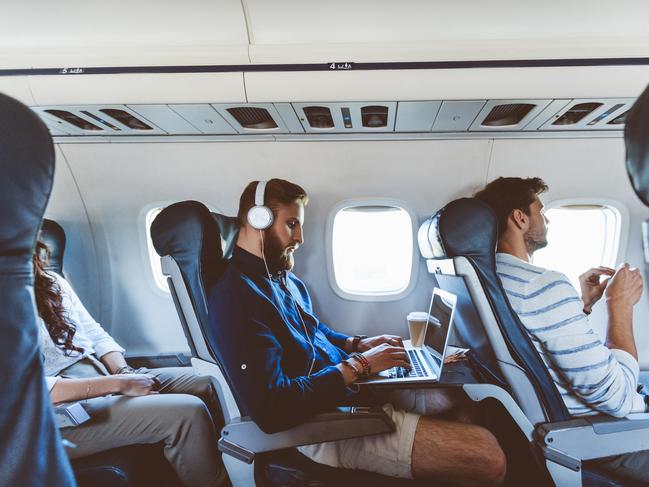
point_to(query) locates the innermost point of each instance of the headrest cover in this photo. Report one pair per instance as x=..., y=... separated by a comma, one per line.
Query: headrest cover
x=636, y=138
x=27, y=169
x=53, y=235
x=466, y=226
x=194, y=237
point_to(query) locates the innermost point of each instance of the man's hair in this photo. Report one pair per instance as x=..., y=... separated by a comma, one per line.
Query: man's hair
x=278, y=192
x=505, y=195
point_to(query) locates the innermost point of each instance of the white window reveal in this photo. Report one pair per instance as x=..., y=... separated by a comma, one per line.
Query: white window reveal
x=371, y=250
x=154, y=259
x=580, y=236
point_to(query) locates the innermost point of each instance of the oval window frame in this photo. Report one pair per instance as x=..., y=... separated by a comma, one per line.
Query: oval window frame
x=414, y=268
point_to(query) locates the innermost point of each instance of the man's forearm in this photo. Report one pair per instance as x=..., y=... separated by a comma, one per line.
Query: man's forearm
x=620, y=329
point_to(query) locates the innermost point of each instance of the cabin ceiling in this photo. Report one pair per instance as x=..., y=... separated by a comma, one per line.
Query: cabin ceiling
x=168, y=32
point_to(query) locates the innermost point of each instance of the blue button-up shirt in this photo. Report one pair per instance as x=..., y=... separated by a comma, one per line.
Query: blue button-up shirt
x=257, y=327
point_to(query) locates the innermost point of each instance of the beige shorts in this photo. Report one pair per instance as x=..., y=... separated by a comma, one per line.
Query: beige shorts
x=391, y=453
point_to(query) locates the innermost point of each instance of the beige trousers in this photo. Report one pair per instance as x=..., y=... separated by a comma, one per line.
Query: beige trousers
x=179, y=417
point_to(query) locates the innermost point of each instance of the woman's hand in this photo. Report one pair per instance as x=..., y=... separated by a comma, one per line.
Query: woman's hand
x=137, y=384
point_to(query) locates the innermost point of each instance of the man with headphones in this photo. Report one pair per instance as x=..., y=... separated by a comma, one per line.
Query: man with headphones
x=286, y=365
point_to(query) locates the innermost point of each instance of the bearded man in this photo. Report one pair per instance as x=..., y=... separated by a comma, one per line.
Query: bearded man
x=593, y=375
x=285, y=365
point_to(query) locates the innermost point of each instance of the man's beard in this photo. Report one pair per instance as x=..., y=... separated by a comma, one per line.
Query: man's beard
x=534, y=242
x=277, y=256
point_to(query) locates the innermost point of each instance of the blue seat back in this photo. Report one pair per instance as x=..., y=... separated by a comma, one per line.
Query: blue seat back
x=467, y=228
x=31, y=452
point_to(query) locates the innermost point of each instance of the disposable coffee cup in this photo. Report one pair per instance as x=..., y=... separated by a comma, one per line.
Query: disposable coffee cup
x=417, y=321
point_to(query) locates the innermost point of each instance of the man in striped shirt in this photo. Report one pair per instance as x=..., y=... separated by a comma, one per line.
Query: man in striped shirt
x=593, y=375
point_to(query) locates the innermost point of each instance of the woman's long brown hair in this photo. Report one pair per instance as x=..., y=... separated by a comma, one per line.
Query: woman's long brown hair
x=49, y=302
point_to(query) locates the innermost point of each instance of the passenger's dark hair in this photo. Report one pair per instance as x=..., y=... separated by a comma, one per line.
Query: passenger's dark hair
x=49, y=302
x=505, y=195
x=278, y=192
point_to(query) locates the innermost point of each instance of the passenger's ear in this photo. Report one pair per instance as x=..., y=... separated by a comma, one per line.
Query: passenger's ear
x=520, y=219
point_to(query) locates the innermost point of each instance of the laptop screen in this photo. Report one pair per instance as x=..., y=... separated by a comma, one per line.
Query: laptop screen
x=440, y=318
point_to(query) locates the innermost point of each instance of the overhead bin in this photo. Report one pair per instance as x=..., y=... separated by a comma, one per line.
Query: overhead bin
x=347, y=117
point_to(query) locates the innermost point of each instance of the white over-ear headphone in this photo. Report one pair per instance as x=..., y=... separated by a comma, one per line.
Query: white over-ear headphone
x=260, y=216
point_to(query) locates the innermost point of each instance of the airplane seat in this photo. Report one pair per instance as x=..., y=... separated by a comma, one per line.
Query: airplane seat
x=636, y=139
x=194, y=245
x=31, y=445
x=459, y=246
x=53, y=235
x=132, y=465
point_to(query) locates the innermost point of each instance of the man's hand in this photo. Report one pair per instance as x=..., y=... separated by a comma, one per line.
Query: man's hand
x=386, y=356
x=591, y=287
x=625, y=287
x=371, y=342
x=137, y=384
x=622, y=293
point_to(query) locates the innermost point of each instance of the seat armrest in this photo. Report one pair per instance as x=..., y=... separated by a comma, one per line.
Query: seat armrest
x=243, y=439
x=595, y=437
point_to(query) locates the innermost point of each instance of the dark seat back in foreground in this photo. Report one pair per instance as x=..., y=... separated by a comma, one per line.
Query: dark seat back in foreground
x=194, y=245
x=31, y=452
x=459, y=245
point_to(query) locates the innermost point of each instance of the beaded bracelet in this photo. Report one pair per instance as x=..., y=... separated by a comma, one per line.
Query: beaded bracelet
x=364, y=363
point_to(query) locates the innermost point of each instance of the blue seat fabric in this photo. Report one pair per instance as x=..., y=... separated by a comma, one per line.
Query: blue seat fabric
x=31, y=453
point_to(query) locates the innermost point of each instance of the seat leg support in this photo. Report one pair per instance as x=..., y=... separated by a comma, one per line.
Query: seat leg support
x=241, y=474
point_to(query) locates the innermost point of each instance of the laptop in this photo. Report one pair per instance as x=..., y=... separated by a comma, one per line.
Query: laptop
x=427, y=362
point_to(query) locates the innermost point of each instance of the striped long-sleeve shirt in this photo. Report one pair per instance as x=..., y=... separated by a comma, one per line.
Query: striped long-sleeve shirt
x=591, y=377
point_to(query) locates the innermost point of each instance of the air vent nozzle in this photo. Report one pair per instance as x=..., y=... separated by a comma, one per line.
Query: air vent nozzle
x=374, y=116
x=126, y=119
x=319, y=117
x=576, y=113
x=253, y=118
x=73, y=119
x=504, y=115
x=620, y=119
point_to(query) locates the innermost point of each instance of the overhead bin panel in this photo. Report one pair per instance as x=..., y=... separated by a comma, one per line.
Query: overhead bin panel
x=165, y=118
x=590, y=114
x=115, y=120
x=347, y=116
x=507, y=115
x=424, y=30
x=37, y=34
x=80, y=89
x=416, y=116
x=205, y=118
x=457, y=116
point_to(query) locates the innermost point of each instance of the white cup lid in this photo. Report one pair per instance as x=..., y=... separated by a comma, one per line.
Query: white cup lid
x=417, y=316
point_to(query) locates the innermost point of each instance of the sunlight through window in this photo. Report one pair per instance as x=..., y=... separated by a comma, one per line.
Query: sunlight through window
x=580, y=237
x=372, y=250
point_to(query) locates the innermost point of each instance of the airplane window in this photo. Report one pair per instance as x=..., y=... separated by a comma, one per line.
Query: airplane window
x=580, y=237
x=372, y=250
x=154, y=258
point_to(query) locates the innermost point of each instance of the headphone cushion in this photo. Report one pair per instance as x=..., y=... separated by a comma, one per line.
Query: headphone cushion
x=260, y=217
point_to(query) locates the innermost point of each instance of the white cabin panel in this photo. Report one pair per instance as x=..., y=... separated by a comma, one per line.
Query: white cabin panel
x=134, y=89
x=67, y=208
x=120, y=182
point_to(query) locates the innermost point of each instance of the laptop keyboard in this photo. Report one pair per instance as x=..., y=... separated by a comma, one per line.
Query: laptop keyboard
x=417, y=369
